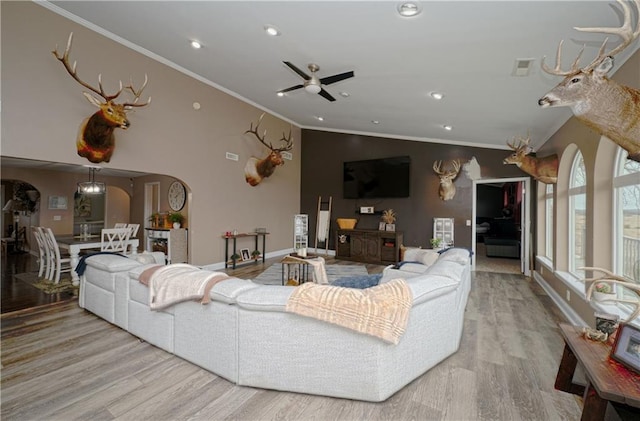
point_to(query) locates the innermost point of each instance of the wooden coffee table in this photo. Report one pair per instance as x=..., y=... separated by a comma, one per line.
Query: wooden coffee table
x=607, y=380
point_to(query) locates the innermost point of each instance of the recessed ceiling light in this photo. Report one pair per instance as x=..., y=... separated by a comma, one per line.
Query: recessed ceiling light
x=375, y=121
x=271, y=30
x=409, y=9
x=345, y=94
x=195, y=44
x=448, y=127
x=320, y=118
x=436, y=95
x=280, y=94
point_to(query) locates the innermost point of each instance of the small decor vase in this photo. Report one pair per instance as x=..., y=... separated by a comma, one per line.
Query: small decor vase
x=176, y=225
x=603, y=296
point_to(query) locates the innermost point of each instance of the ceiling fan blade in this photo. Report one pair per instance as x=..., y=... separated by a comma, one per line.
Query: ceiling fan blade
x=336, y=78
x=293, y=88
x=326, y=95
x=298, y=71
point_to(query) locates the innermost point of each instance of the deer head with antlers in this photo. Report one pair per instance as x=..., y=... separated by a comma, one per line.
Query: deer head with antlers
x=542, y=169
x=610, y=109
x=257, y=169
x=95, y=138
x=447, y=189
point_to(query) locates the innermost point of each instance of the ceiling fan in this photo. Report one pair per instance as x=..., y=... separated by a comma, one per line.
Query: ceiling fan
x=312, y=83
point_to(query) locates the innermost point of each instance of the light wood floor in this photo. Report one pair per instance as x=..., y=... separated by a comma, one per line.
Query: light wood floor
x=63, y=363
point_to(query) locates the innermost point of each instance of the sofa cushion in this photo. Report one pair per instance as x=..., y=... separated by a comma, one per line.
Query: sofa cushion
x=425, y=256
x=229, y=290
x=265, y=298
x=456, y=254
x=111, y=263
x=449, y=269
x=427, y=287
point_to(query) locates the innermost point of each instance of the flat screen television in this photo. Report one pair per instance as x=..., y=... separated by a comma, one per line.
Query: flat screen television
x=377, y=178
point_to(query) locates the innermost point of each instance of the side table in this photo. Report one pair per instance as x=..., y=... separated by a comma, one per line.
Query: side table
x=294, y=265
x=607, y=380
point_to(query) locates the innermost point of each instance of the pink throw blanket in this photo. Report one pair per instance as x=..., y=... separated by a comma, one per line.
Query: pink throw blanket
x=179, y=282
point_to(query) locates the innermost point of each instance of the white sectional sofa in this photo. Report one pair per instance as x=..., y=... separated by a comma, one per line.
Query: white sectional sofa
x=245, y=335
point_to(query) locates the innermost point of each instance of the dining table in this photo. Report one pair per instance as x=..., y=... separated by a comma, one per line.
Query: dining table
x=75, y=243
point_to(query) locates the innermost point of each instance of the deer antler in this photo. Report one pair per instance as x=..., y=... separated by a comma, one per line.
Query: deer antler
x=437, y=167
x=287, y=139
x=625, y=32
x=64, y=58
x=523, y=143
x=136, y=94
x=614, y=279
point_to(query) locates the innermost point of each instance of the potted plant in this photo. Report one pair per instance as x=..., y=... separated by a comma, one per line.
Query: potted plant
x=255, y=254
x=234, y=257
x=436, y=243
x=603, y=291
x=176, y=218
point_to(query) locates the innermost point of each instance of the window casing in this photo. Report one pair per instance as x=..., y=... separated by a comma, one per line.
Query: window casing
x=577, y=216
x=626, y=215
x=548, y=221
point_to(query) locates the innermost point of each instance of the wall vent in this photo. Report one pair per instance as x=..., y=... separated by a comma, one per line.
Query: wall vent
x=522, y=67
x=232, y=156
x=287, y=155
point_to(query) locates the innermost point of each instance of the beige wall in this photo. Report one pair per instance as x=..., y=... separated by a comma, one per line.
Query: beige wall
x=42, y=108
x=597, y=152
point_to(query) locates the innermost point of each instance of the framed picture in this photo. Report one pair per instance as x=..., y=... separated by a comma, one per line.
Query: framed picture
x=390, y=227
x=245, y=254
x=58, y=202
x=382, y=226
x=626, y=349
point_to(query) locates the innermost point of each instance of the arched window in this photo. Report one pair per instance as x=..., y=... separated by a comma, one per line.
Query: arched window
x=548, y=221
x=626, y=215
x=577, y=216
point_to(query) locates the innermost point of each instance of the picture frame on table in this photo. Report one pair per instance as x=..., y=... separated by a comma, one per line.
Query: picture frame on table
x=390, y=227
x=382, y=226
x=245, y=254
x=626, y=348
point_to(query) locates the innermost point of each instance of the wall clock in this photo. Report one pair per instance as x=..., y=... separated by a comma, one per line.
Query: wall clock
x=177, y=196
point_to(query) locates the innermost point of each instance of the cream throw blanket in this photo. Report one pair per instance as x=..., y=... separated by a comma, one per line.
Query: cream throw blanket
x=381, y=311
x=179, y=282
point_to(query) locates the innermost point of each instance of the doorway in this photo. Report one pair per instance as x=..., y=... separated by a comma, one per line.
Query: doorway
x=501, y=231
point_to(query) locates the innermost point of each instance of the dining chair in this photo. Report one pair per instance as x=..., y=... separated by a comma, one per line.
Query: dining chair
x=57, y=263
x=119, y=225
x=115, y=239
x=43, y=251
x=134, y=232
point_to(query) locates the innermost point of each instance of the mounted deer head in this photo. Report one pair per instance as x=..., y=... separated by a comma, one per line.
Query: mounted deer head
x=603, y=105
x=95, y=138
x=542, y=169
x=447, y=189
x=257, y=169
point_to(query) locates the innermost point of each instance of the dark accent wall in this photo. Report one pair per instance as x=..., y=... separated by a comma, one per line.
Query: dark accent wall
x=323, y=154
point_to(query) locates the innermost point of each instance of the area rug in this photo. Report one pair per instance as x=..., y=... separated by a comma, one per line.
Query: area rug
x=45, y=285
x=273, y=274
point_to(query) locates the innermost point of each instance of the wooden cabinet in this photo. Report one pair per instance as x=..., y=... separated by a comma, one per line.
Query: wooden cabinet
x=369, y=246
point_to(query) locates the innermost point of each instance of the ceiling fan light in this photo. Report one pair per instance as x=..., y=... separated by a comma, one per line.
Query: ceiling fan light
x=312, y=88
x=271, y=30
x=409, y=9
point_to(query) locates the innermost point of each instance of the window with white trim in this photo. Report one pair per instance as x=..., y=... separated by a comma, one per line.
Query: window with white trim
x=577, y=216
x=548, y=221
x=626, y=215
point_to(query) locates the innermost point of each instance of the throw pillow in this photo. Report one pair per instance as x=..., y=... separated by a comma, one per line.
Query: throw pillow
x=456, y=254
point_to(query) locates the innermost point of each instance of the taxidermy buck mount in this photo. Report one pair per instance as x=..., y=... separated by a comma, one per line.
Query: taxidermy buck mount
x=95, y=140
x=258, y=169
x=542, y=169
x=447, y=189
x=610, y=109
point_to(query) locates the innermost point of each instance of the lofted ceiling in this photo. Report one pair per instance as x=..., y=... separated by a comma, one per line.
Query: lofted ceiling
x=466, y=50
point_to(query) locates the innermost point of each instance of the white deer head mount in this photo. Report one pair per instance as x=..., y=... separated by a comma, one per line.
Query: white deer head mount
x=542, y=169
x=258, y=169
x=610, y=109
x=447, y=189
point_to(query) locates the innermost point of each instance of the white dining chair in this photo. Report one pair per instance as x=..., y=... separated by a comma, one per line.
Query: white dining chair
x=119, y=225
x=57, y=264
x=115, y=239
x=43, y=251
x=134, y=232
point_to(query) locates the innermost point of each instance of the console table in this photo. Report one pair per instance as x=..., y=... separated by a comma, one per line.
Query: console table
x=227, y=256
x=368, y=246
x=607, y=380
